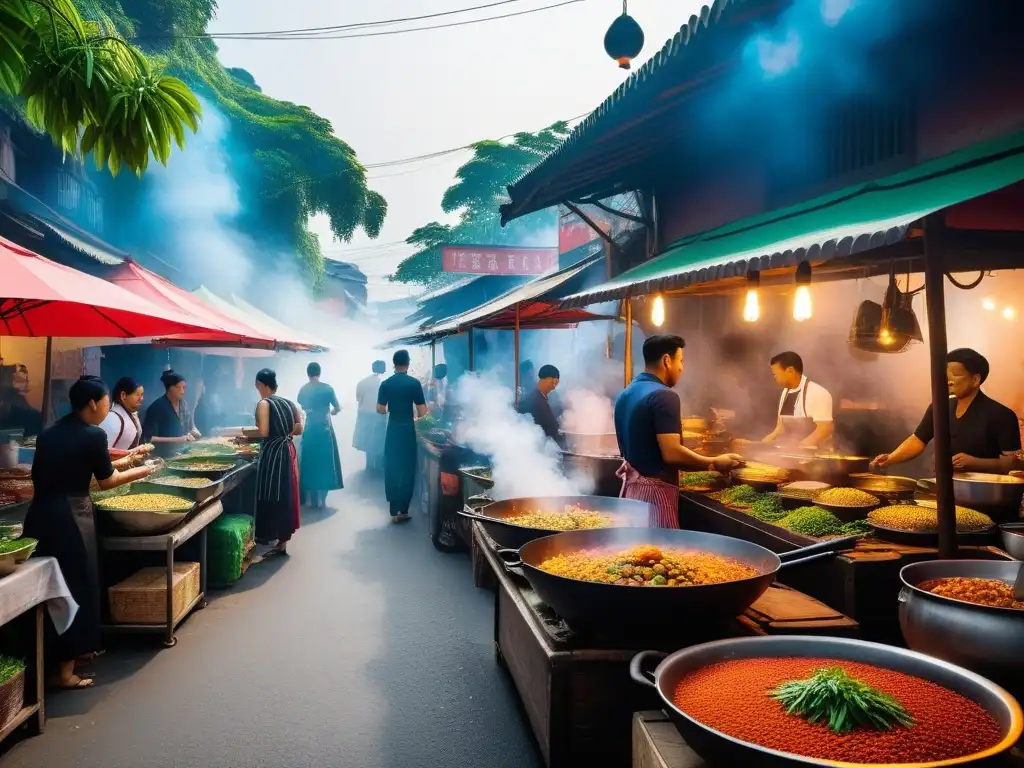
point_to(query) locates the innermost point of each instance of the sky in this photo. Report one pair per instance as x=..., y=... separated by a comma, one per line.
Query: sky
x=399, y=96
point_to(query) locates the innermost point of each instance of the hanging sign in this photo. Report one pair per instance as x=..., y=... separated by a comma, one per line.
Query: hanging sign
x=498, y=260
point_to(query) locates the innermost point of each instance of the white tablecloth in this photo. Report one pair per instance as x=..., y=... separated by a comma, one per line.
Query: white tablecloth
x=36, y=581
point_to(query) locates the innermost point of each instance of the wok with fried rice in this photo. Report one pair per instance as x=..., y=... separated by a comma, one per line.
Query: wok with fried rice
x=716, y=577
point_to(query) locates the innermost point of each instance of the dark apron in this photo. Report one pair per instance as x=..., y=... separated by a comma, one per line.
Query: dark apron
x=795, y=428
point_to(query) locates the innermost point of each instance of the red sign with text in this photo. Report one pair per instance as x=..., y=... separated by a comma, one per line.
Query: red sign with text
x=573, y=232
x=498, y=260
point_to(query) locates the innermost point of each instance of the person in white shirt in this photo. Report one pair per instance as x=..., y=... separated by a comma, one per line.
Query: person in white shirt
x=124, y=431
x=805, y=407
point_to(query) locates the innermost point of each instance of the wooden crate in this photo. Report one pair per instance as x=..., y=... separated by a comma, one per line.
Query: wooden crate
x=142, y=597
x=657, y=744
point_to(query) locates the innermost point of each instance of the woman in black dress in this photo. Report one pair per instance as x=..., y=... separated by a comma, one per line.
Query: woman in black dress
x=68, y=455
x=277, y=472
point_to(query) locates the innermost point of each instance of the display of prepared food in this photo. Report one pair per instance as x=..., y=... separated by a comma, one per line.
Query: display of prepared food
x=803, y=489
x=991, y=592
x=846, y=497
x=756, y=472
x=176, y=481
x=920, y=519
x=699, y=481
x=20, y=488
x=142, y=597
x=647, y=566
x=6, y=499
x=16, y=545
x=184, y=465
x=153, y=502
x=22, y=471
x=573, y=518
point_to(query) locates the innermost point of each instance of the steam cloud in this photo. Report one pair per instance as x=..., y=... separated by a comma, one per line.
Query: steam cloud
x=523, y=460
x=588, y=413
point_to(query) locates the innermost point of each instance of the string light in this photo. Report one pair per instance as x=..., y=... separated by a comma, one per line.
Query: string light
x=752, y=309
x=658, y=311
x=802, y=305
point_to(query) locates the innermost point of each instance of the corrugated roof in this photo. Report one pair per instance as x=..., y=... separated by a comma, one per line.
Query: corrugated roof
x=829, y=227
x=646, y=81
x=104, y=254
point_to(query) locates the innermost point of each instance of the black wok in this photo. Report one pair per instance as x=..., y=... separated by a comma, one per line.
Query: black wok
x=628, y=513
x=586, y=604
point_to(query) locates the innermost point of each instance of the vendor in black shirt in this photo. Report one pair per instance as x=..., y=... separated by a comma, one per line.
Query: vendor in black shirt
x=983, y=432
x=535, y=402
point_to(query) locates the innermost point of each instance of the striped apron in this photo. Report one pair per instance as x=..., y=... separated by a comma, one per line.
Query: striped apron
x=663, y=497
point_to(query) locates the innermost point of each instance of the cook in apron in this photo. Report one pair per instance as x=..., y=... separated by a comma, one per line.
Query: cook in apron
x=795, y=428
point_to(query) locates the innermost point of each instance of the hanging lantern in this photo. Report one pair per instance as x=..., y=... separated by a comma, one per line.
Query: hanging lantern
x=624, y=39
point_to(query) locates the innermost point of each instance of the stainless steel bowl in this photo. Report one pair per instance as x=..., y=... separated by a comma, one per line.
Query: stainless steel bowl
x=978, y=489
x=145, y=523
x=1013, y=539
x=719, y=749
x=981, y=638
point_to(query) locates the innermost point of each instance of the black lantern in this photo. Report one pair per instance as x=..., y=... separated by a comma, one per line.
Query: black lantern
x=624, y=39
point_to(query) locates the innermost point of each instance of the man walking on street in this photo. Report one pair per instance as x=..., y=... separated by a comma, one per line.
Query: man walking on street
x=401, y=397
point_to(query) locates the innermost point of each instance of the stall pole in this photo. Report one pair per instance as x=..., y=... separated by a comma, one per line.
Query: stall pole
x=433, y=356
x=472, y=351
x=934, y=283
x=47, y=382
x=516, y=345
x=628, y=375
x=610, y=341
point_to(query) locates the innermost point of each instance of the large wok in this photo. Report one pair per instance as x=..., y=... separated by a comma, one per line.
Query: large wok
x=628, y=513
x=720, y=749
x=586, y=604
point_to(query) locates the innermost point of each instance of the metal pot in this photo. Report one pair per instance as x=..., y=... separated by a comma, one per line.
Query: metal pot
x=719, y=749
x=629, y=513
x=977, y=489
x=1013, y=539
x=589, y=605
x=602, y=444
x=884, y=486
x=984, y=639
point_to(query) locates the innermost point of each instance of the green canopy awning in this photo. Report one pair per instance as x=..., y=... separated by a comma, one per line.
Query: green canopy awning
x=830, y=227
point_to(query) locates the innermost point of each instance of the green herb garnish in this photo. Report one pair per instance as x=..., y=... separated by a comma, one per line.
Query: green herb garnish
x=856, y=527
x=15, y=545
x=833, y=697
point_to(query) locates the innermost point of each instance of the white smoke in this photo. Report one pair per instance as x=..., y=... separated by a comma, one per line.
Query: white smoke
x=524, y=462
x=588, y=413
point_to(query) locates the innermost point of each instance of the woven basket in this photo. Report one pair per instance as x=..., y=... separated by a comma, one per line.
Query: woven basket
x=12, y=698
x=142, y=597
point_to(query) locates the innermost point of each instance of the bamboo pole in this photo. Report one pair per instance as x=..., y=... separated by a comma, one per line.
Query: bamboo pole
x=628, y=363
x=516, y=345
x=934, y=282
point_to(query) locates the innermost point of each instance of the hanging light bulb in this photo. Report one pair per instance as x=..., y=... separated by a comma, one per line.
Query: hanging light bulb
x=624, y=39
x=658, y=311
x=751, y=309
x=988, y=304
x=1009, y=313
x=802, y=306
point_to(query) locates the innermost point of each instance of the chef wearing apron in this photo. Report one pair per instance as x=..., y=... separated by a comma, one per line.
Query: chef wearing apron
x=805, y=407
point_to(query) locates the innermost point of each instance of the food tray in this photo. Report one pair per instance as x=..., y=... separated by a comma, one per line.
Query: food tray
x=24, y=551
x=930, y=538
x=199, y=495
x=177, y=466
x=8, y=564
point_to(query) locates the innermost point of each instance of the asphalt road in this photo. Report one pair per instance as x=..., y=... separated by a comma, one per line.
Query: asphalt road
x=365, y=648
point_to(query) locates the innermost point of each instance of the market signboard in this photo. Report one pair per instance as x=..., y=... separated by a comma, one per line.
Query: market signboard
x=498, y=260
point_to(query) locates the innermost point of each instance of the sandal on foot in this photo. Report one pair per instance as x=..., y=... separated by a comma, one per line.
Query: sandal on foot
x=73, y=683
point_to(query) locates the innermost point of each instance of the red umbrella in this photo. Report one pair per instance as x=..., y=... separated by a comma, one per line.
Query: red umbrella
x=39, y=297
x=153, y=288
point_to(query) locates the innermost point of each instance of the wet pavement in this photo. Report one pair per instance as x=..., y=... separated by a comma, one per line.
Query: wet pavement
x=364, y=648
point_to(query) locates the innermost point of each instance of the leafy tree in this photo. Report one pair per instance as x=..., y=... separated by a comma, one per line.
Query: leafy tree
x=290, y=164
x=479, y=190
x=89, y=89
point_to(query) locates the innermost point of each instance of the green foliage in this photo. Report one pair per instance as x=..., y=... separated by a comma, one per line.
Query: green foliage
x=831, y=696
x=479, y=190
x=88, y=88
x=9, y=667
x=291, y=163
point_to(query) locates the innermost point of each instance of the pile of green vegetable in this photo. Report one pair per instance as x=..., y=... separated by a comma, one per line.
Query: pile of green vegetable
x=835, y=698
x=15, y=545
x=9, y=667
x=739, y=496
x=807, y=521
x=768, y=508
x=699, y=479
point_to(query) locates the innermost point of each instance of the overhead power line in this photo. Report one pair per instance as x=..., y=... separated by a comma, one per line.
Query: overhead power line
x=364, y=24
x=286, y=35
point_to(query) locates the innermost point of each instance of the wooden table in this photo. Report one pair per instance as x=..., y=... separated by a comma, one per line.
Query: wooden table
x=862, y=583
x=577, y=691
